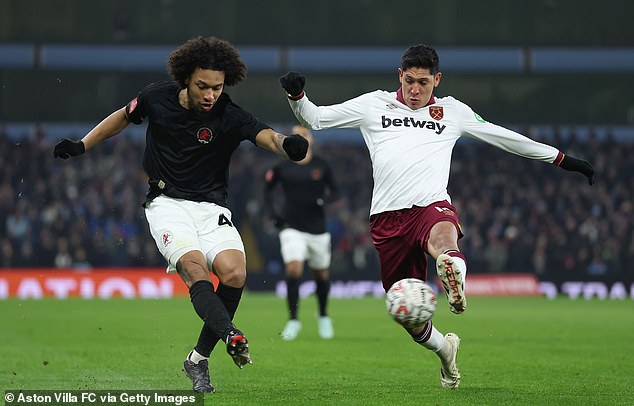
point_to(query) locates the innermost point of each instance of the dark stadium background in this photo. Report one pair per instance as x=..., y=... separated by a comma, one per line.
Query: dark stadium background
x=560, y=71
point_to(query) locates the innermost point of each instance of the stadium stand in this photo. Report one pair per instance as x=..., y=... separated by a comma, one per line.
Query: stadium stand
x=518, y=215
x=526, y=62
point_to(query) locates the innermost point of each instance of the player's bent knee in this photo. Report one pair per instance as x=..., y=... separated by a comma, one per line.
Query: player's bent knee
x=192, y=272
x=192, y=268
x=440, y=244
x=234, y=277
x=230, y=268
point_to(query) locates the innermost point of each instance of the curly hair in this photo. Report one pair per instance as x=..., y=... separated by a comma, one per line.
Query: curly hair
x=206, y=53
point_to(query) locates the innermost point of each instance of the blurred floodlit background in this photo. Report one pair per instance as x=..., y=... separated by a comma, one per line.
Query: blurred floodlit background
x=560, y=71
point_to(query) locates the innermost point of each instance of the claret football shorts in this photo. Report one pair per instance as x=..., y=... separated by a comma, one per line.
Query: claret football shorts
x=179, y=226
x=297, y=245
x=400, y=237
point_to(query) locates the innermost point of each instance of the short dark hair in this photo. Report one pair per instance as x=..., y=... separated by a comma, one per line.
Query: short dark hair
x=420, y=56
x=206, y=53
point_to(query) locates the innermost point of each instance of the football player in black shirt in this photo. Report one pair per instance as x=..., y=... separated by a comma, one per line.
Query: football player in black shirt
x=307, y=185
x=193, y=128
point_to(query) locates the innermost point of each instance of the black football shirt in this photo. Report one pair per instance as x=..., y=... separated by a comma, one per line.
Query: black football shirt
x=306, y=189
x=187, y=153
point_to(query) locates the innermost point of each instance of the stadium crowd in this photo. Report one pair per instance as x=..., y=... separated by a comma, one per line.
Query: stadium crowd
x=518, y=215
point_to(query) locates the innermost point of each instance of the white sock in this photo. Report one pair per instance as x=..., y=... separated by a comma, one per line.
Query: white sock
x=195, y=357
x=435, y=340
x=443, y=352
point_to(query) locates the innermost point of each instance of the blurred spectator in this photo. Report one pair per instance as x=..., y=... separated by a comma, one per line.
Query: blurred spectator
x=17, y=225
x=62, y=257
x=6, y=253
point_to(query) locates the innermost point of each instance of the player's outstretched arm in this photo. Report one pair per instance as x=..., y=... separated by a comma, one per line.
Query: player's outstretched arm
x=573, y=164
x=348, y=114
x=111, y=125
x=293, y=147
x=511, y=141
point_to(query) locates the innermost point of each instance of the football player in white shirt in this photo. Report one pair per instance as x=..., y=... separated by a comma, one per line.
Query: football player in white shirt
x=410, y=135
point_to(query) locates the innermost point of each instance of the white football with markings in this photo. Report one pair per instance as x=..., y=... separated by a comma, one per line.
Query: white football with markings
x=411, y=302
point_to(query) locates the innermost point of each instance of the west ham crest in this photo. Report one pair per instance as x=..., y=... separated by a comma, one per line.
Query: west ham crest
x=436, y=112
x=204, y=135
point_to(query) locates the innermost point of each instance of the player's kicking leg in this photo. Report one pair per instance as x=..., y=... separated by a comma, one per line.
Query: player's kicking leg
x=196, y=365
x=210, y=308
x=452, y=276
x=238, y=347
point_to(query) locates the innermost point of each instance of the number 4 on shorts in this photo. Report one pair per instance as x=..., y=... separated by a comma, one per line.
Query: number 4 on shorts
x=222, y=220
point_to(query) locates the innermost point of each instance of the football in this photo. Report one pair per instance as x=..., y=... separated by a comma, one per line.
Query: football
x=411, y=302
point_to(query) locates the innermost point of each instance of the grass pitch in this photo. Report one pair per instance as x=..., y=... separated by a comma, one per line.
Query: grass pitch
x=514, y=351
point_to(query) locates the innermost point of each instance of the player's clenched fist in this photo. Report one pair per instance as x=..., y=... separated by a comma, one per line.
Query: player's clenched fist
x=67, y=148
x=293, y=83
x=295, y=147
x=578, y=165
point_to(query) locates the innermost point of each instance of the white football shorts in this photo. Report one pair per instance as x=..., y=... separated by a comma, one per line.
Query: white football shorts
x=179, y=226
x=297, y=245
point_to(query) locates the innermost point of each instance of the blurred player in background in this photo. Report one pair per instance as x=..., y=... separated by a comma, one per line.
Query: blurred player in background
x=307, y=185
x=193, y=129
x=410, y=135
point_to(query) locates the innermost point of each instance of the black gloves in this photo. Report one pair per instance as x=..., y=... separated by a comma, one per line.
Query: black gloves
x=578, y=165
x=67, y=148
x=295, y=147
x=293, y=83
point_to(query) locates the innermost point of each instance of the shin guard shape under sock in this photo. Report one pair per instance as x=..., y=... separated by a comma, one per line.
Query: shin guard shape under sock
x=230, y=297
x=212, y=311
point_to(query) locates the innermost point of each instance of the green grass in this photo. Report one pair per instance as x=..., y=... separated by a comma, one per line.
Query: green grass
x=529, y=351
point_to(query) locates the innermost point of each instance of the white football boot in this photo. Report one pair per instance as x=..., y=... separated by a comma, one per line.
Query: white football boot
x=291, y=330
x=449, y=373
x=324, y=325
x=453, y=282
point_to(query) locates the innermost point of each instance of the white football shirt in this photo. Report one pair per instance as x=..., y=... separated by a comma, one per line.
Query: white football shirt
x=411, y=149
